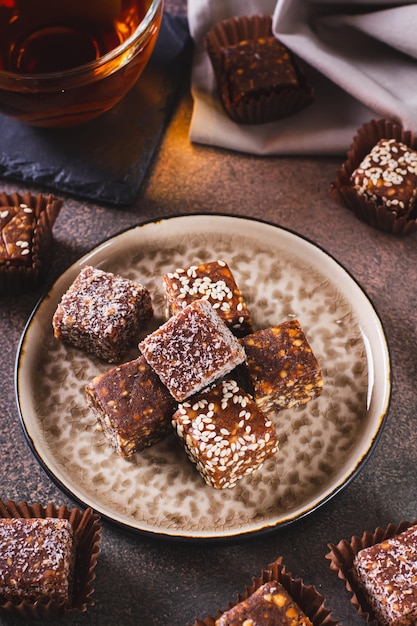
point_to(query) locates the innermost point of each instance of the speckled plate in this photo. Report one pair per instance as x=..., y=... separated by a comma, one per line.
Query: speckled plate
x=322, y=444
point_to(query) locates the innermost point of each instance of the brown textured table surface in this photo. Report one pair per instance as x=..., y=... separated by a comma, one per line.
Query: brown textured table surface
x=156, y=582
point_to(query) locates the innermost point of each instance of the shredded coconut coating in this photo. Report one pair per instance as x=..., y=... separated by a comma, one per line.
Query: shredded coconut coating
x=269, y=605
x=192, y=350
x=388, y=176
x=282, y=367
x=36, y=559
x=214, y=282
x=102, y=313
x=387, y=572
x=225, y=434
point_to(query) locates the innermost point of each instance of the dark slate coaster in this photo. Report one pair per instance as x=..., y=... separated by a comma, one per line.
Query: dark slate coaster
x=104, y=160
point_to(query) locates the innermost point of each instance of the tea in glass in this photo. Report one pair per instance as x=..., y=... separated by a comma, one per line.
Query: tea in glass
x=65, y=61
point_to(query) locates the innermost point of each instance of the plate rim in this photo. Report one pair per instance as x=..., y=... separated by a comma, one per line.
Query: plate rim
x=236, y=534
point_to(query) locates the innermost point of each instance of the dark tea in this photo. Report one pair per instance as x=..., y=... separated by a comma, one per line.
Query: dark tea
x=42, y=39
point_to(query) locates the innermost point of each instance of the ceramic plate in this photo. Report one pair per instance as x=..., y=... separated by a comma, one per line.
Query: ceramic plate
x=322, y=444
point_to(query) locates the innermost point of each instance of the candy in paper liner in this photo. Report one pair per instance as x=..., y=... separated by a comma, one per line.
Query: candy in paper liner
x=341, y=557
x=307, y=597
x=342, y=188
x=87, y=535
x=15, y=279
x=266, y=107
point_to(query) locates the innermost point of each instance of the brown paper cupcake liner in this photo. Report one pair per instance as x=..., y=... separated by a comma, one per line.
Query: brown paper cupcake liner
x=342, y=189
x=307, y=597
x=87, y=533
x=16, y=279
x=265, y=108
x=341, y=557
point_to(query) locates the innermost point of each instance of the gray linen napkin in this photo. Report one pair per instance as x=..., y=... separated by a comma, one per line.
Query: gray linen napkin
x=361, y=60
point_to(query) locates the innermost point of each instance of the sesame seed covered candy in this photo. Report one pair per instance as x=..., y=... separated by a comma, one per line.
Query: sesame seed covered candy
x=102, y=313
x=282, y=367
x=192, y=349
x=214, y=282
x=269, y=605
x=224, y=433
x=133, y=408
x=17, y=225
x=36, y=559
x=387, y=573
x=388, y=176
x=26, y=239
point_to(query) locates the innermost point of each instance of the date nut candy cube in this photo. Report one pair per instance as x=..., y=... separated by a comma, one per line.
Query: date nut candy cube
x=133, y=408
x=282, y=367
x=192, y=350
x=387, y=574
x=214, y=282
x=102, y=313
x=269, y=605
x=388, y=176
x=37, y=557
x=224, y=433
